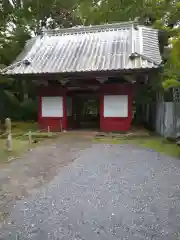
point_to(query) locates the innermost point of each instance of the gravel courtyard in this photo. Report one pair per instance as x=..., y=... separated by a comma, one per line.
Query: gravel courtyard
x=103, y=192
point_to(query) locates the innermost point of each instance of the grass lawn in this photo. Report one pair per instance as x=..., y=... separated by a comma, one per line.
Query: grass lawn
x=18, y=127
x=19, y=146
x=158, y=144
x=20, y=140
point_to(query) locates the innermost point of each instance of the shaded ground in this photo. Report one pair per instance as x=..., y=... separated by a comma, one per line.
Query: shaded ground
x=23, y=176
x=108, y=192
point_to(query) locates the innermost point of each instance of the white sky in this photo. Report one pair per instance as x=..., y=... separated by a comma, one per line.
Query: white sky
x=11, y=2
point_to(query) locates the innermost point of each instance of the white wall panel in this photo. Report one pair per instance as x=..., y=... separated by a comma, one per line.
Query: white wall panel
x=52, y=107
x=115, y=106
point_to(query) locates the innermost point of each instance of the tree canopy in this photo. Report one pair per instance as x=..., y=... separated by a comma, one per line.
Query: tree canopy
x=161, y=14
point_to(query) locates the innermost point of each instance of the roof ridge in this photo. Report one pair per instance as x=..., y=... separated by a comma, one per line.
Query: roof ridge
x=91, y=28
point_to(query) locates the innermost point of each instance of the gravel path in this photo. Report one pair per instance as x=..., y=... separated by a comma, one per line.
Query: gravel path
x=108, y=192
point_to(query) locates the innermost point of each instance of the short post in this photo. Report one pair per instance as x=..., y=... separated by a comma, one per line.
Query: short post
x=61, y=125
x=9, y=142
x=8, y=125
x=30, y=139
x=48, y=130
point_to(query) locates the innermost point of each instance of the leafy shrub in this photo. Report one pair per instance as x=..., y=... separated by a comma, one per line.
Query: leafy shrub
x=29, y=110
x=12, y=108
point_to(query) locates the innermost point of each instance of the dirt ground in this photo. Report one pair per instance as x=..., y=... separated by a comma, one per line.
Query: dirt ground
x=23, y=176
x=110, y=191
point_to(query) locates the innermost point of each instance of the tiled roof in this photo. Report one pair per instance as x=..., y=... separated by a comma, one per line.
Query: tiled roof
x=85, y=49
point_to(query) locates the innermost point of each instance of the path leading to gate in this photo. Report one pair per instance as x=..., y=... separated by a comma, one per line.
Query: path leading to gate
x=95, y=191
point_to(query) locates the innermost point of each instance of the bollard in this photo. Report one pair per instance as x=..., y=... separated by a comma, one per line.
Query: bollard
x=61, y=126
x=9, y=142
x=48, y=131
x=30, y=139
x=8, y=125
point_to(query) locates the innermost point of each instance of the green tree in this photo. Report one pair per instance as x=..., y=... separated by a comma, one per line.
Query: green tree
x=161, y=14
x=20, y=20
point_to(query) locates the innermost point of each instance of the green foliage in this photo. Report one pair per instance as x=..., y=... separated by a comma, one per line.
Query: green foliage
x=18, y=127
x=11, y=107
x=19, y=20
x=170, y=83
x=29, y=110
x=8, y=104
x=172, y=66
x=155, y=143
x=163, y=15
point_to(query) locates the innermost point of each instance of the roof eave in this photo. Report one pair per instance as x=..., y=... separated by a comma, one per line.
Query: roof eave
x=94, y=73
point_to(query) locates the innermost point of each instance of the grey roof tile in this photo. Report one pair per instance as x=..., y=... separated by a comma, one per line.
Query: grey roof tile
x=96, y=48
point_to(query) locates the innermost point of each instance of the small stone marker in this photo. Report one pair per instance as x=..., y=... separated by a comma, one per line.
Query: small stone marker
x=30, y=139
x=61, y=126
x=9, y=142
x=8, y=125
x=48, y=130
x=9, y=136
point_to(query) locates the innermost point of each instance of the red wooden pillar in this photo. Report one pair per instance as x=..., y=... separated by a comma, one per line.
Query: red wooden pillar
x=101, y=109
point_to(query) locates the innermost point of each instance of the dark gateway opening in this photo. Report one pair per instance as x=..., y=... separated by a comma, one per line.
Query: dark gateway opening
x=85, y=111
